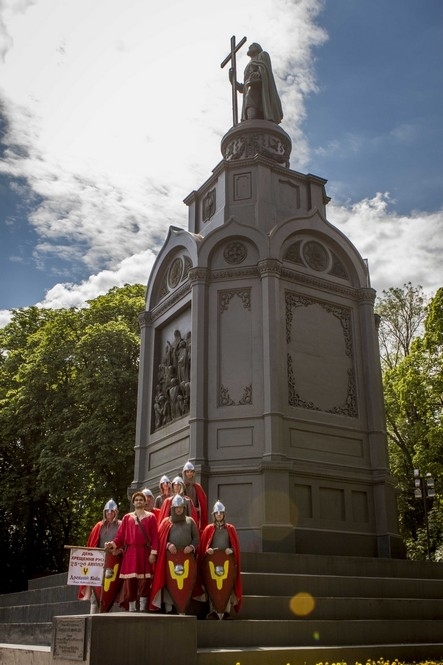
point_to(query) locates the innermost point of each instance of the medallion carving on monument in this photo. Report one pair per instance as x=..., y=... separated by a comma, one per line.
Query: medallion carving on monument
x=330, y=340
x=175, y=272
x=173, y=388
x=315, y=256
x=208, y=205
x=235, y=252
x=175, y=275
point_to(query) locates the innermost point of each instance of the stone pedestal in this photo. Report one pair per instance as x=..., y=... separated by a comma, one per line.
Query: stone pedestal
x=123, y=637
x=260, y=363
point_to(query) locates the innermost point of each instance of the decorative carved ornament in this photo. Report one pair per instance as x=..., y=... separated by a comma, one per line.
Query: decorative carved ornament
x=247, y=145
x=235, y=252
x=224, y=398
x=226, y=297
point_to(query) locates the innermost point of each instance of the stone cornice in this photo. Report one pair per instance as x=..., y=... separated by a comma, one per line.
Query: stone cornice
x=264, y=268
x=171, y=300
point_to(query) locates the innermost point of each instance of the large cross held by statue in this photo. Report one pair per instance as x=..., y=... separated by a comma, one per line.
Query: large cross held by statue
x=233, y=75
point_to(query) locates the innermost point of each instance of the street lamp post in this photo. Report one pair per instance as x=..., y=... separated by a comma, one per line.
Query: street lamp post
x=424, y=489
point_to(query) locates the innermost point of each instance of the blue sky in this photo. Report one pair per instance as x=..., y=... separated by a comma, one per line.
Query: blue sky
x=111, y=113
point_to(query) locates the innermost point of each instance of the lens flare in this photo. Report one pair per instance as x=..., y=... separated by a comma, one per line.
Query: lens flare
x=302, y=604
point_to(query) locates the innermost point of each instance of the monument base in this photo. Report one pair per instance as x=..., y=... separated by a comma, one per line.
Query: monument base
x=123, y=637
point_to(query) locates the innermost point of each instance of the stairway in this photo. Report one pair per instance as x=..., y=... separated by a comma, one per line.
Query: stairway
x=343, y=609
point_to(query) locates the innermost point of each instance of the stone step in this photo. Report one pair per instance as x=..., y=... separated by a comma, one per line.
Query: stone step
x=55, y=594
x=262, y=608
x=11, y=654
x=270, y=584
x=278, y=607
x=282, y=584
x=265, y=633
x=315, y=564
x=40, y=613
x=57, y=579
x=407, y=653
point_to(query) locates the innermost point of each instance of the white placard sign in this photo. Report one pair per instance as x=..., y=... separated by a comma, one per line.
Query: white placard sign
x=86, y=566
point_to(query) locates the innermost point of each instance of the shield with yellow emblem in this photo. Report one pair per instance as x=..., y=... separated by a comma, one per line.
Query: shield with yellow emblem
x=219, y=573
x=112, y=583
x=181, y=575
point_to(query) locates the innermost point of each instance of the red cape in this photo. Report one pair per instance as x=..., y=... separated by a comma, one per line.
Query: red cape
x=203, y=505
x=205, y=544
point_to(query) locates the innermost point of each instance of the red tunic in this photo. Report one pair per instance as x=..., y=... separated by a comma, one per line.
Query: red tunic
x=132, y=539
x=205, y=544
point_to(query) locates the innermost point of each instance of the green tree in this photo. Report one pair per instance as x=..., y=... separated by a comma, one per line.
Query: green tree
x=402, y=313
x=68, y=386
x=413, y=388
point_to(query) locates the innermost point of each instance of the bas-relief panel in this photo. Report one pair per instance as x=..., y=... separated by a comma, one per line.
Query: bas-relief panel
x=171, y=381
x=235, y=347
x=319, y=351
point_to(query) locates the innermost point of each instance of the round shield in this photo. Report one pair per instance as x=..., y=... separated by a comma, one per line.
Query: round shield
x=112, y=583
x=219, y=572
x=181, y=575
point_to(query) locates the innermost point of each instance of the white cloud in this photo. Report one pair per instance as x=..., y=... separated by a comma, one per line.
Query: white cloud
x=397, y=246
x=132, y=270
x=115, y=113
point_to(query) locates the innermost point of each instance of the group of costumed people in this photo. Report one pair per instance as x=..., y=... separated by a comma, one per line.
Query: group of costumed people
x=172, y=526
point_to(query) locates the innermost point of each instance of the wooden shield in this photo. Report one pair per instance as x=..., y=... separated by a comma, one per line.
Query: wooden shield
x=181, y=575
x=112, y=583
x=219, y=572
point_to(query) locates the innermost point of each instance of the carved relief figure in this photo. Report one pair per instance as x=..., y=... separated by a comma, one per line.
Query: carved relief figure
x=172, y=394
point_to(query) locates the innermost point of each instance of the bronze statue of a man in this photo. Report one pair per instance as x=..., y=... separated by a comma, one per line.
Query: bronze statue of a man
x=260, y=96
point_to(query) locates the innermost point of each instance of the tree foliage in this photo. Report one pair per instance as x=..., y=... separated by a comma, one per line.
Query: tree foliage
x=413, y=389
x=68, y=392
x=402, y=313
